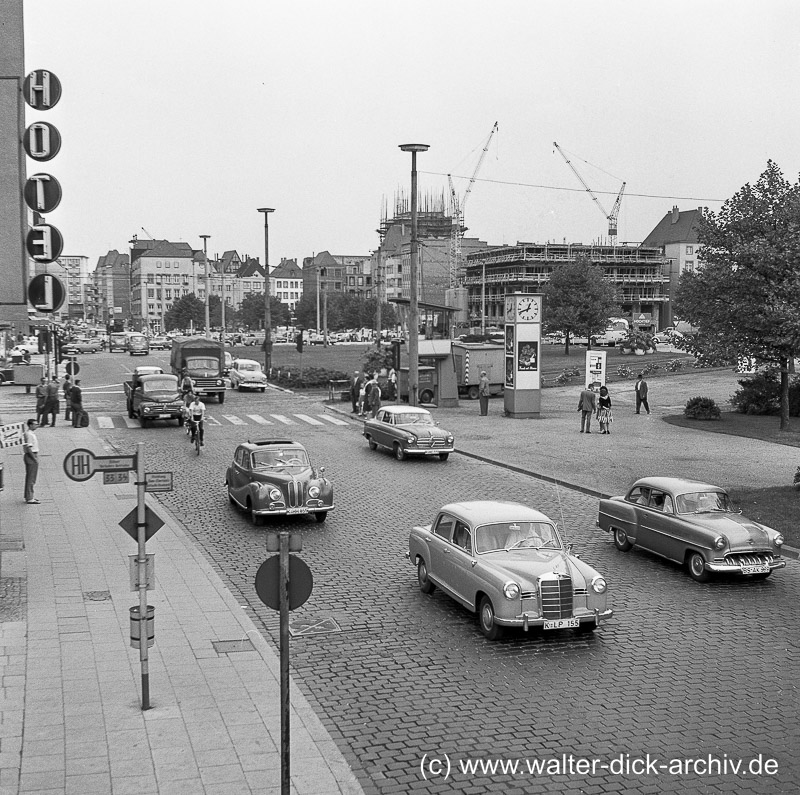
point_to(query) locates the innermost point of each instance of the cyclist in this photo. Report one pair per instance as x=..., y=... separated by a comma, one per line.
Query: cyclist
x=197, y=415
x=187, y=387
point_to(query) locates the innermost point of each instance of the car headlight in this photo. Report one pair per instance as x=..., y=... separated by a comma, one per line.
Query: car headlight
x=275, y=494
x=449, y=440
x=599, y=585
x=778, y=540
x=719, y=542
x=220, y=382
x=412, y=439
x=313, y=491
x=511, y=590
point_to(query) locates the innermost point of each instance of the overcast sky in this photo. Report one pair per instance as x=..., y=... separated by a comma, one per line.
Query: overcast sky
x=182, y=117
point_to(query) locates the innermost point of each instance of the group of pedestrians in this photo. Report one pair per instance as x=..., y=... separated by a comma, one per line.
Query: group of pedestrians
x=366, y=392
x=590, y=404
x=48, y=403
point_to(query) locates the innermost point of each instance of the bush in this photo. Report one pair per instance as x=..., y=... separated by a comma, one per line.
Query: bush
x=312, y=377
x=759, y=394
x=701, y=408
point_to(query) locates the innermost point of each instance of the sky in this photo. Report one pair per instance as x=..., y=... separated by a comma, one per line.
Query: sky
x=182, y=117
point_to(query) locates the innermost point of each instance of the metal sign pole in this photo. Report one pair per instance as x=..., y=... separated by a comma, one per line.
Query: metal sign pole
x=141, y=526
x=284, y=639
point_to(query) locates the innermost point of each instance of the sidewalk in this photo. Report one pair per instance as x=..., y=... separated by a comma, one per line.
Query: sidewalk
x=71, y=684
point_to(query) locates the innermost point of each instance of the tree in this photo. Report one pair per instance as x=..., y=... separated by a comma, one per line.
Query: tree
x=578, y=300
x=745, y=296
x=251, y=312
x=187, y=311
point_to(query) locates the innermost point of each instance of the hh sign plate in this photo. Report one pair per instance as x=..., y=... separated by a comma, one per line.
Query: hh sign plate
x=82, y=464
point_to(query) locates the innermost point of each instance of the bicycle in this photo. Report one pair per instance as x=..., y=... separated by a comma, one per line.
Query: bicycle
x=193, y=428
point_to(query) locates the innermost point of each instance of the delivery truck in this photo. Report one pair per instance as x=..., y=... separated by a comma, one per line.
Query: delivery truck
x=203, y=360
x=470, y=359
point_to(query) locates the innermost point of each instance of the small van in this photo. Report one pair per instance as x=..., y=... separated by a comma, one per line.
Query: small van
x=138, y=344
x=118, y=341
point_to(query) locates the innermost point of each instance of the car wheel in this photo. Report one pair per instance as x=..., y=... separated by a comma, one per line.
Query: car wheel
x=426, y=396
x=587, y=626
x=130, y=411
x=444, y=456
x=263, y=389
x=425, y=585
x=490, y=629
x=230, y=496
x=399, y=453
x=254, y=518
x=239, y=387
x=472, y=393
x=621, y=540
x=372, y=445
x=697, y=567
x=143, y=421
x=221, y=397
x=181, y=420
x=321, y=516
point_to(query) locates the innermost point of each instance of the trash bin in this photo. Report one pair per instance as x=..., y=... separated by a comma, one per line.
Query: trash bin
x=136, y=626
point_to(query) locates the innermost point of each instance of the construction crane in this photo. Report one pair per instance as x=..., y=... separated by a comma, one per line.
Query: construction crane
x=614, y=214
x=457, y=229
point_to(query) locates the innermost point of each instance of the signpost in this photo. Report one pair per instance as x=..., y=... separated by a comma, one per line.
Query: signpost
x=141, y=524
x=284, y=583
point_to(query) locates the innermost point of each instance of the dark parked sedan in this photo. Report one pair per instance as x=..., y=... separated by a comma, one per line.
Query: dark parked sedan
x=692, y=523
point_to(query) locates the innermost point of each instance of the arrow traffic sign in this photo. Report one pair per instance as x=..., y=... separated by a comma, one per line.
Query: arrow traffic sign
x=82, y=464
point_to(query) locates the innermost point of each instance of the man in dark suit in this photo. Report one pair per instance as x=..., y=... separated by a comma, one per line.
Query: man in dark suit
x=356, y=382
x=76, y=401
x=587, y=405
x=641, y=394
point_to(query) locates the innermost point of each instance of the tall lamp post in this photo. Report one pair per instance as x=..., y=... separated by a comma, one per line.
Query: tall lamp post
x=208, y=285
x=413, y=308
x=267, y=310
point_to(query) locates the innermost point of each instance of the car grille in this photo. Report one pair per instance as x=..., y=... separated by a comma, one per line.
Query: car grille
x=556, y=597
x=431, y=442
x=295, y=494
x=205, y=382
x=748, y=559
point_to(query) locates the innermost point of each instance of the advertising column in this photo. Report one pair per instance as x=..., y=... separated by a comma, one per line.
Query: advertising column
x=523, y=382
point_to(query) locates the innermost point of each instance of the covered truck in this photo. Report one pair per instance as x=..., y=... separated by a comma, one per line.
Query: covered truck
x=204, y=361
x=152, y=394
x=470, y=358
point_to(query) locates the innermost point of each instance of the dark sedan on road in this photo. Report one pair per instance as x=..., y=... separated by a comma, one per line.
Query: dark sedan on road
x=275, y=477
x=81, y=346
x=691, y=523
x=508, y=563
x=408, y=430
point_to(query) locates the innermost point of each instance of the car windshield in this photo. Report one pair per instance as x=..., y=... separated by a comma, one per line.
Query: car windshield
x=254, y=366
x=703, y=502
x=160, y=385
x=281, y=458
x=413, y=418
x=203, y=363
x=516, y=535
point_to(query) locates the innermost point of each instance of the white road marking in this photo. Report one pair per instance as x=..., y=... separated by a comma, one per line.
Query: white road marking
x=333, y=420
x=131, y=423
x=284, y=420
x=309, y=420
x=211, y=421
x=259, y=419
x=105, y=422
x=233, y=420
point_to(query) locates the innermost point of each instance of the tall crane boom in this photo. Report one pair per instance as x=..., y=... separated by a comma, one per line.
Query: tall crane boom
x=457, y=232
x=614, y=214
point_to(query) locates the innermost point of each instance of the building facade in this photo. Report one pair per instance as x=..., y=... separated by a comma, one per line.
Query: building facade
x=286, y=283
x=112, y=282
x=638, y=272
x=676, y=236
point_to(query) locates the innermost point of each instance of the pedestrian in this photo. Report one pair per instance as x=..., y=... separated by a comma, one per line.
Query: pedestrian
x=187, y=386
x=67, y=389
x=362, y=395
x=356, y=382
x=373, y=398
x=30, y=457
x=41, y=399
x=51, y=407
x=76, y=403
x=392, y=384
x=483, y=393
x=641, y=393
x=604, y=410
x=587, y=405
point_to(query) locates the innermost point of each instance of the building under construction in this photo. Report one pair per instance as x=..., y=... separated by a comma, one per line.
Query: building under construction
x=640, y=274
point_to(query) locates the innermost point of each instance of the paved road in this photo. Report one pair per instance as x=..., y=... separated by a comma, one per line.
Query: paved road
x=406, y=683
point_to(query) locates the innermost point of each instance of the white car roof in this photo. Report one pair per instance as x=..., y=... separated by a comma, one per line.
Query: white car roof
x=247, y=361
x=405, y=410
x=477, y=512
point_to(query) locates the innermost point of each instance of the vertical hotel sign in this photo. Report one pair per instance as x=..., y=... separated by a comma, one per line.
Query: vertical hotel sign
x=42, y=142
x=523, y=334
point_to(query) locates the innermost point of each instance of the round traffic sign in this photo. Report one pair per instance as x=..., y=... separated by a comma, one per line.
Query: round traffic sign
x=268, y=578
x=72, y=368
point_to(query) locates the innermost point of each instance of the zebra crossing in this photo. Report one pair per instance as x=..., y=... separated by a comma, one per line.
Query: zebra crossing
x=107, y=421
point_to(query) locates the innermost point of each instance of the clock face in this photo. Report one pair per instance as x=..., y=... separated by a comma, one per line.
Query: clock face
x=511, y=309
x=527, y=308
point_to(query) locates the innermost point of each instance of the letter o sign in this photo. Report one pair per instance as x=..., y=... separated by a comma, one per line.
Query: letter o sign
x=42, y=141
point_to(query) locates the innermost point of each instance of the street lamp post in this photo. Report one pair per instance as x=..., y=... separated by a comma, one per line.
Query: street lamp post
x=208, y=285
x=267, y=309
x=413, y=308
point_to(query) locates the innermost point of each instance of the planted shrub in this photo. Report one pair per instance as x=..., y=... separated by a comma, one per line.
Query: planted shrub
x=701, y=408
x=312, y=377
x=759, y=394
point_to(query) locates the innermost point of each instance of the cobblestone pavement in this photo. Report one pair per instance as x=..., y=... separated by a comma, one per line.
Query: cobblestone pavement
x=410, y=689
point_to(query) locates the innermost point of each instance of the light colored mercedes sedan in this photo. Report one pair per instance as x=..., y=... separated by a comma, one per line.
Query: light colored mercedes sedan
x=508, y=563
